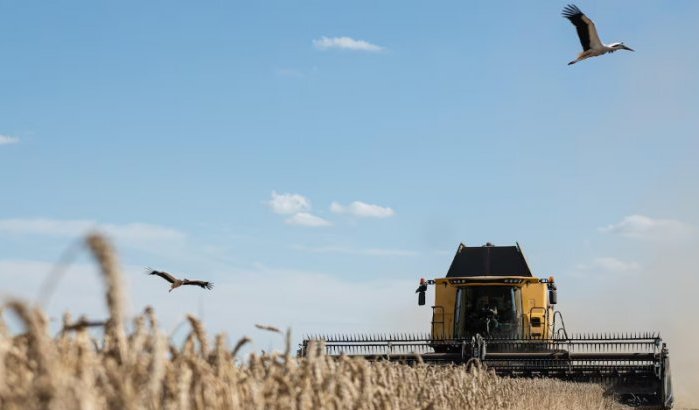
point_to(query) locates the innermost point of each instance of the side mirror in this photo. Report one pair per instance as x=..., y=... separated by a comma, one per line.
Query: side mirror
x=421, y=298
x=421, y=291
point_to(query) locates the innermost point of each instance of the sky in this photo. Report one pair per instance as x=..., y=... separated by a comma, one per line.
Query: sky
x=315, y=159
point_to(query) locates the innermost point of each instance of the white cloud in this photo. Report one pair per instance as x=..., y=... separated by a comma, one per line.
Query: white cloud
x=362, y=209
x=349, y=305
x=607, y=266
x=353, y=251
x=134, y=235
x=298, y=206
x=346, y=43
x=6, y=139
x=287, y=204
x=41, y=226
x=140, y=231
x=644, y=227
x=25, y=279
x=307, y=219
x=612, y=265
x=59, y=227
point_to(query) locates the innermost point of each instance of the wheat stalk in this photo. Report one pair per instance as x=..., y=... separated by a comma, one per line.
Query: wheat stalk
x=200, y=333
x=109, y=266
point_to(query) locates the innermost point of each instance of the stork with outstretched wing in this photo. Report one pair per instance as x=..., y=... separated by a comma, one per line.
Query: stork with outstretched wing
x=587, y=32
x=176, y=283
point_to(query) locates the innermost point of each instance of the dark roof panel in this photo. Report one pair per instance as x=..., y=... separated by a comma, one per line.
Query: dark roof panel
x=488, y=260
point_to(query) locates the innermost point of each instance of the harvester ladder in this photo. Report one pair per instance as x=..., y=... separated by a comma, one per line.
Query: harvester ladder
x=438, y=310
x=543, y=326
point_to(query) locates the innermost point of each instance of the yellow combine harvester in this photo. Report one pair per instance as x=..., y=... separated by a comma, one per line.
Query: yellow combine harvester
x=489, y=308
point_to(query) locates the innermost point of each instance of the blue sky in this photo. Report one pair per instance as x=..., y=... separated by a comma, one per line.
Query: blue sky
x=170, y=125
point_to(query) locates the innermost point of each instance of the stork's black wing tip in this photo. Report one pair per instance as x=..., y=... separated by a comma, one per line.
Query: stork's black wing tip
x=570, y=11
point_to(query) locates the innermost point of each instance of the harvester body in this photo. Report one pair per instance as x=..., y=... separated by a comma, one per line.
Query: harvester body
x=490, y=309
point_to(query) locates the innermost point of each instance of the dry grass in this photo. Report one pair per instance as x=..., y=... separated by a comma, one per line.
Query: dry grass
x=142, y=369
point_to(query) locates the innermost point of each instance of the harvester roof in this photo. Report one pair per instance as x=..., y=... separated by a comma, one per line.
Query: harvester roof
x=488, y=260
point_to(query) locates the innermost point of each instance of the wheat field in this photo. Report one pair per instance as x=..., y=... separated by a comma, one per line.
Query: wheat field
x=138, y=367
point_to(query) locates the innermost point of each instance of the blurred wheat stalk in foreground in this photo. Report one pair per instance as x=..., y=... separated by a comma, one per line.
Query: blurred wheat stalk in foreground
x=142, y=369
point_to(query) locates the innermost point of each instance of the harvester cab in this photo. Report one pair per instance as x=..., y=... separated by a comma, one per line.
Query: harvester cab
x=490, y=291
x=490, y=308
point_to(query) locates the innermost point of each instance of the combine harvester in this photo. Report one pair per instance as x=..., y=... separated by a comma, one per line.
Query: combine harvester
x=491, y=309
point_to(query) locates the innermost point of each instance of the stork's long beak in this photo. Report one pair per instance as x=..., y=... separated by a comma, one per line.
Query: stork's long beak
x=627, y=48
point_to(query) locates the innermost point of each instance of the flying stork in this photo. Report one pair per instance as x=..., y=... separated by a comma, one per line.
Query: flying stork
x=591, y=44
x=176, y=283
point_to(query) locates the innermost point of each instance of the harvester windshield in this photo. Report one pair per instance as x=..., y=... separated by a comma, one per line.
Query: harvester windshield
x=495, y=311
